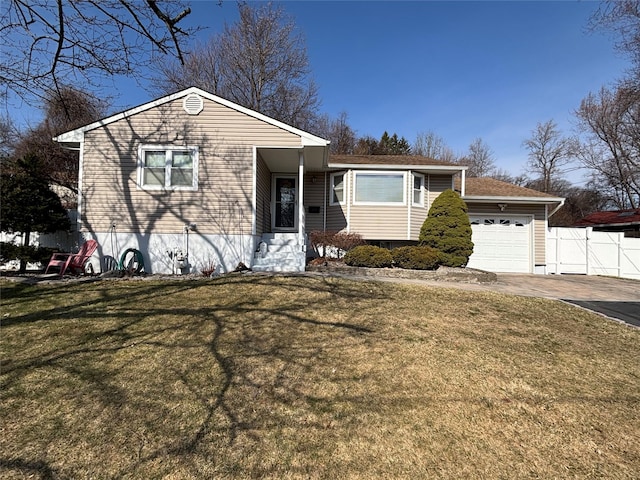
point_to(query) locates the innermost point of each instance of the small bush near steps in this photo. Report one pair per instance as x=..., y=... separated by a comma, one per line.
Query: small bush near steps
x=369, y=256
x=419, y=257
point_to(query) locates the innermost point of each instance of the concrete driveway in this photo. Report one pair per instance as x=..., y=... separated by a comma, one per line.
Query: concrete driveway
x=616, y=298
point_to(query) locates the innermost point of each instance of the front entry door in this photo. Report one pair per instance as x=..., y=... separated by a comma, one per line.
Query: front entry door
x=285, y=202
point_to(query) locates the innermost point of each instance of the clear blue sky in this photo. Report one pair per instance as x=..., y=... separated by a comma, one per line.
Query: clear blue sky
x=460, y=69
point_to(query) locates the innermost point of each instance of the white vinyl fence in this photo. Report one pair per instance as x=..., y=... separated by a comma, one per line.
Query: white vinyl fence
x=583, y=251
x=61, y=241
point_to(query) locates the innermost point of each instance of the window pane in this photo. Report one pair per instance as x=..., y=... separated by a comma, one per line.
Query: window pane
x=182, y=159
x=155, y=159
x=379, y=188
x=417, y=189
x=153, y=176
x=338, y=188
x=182, y=177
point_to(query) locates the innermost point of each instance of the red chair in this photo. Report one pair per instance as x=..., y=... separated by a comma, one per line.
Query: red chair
x=73, y=262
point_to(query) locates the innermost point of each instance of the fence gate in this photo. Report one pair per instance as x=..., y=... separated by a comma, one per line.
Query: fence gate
x=583, y=251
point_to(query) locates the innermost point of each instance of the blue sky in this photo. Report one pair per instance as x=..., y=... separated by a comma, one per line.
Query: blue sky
x=460, y=69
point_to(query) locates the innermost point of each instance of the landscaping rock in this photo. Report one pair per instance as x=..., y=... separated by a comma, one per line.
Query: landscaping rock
x=448, y=274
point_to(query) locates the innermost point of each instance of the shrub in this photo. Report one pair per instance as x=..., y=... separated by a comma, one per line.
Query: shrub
x=420, y=257
x=341, y=241
x=368, y=256
x=347, y=241
x=447, y=229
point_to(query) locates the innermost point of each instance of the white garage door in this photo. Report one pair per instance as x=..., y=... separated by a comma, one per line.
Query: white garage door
x=502, y=243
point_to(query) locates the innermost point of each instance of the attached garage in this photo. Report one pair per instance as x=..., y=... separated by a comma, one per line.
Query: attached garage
x=508, y=224
x=502, y=243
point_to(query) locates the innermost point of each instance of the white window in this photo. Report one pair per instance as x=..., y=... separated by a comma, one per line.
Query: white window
x=337, y=188
x=167, y=168
x=380, y=187
x=418, y=189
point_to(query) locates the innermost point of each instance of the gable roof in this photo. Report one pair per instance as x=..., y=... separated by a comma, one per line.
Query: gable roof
x=77, y=136
x=485, y=186
x=617, y=217
x=485, y=189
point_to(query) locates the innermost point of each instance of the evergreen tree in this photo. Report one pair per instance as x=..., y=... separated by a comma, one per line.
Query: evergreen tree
x=447, y=229
x=27, y=203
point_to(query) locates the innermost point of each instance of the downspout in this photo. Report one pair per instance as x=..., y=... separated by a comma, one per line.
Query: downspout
x=463, y=181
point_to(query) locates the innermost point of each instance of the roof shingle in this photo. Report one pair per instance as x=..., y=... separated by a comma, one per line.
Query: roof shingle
x=617, y=217
x=490, y=187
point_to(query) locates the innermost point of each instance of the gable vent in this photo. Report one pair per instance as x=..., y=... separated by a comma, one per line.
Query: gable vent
x=193, y=104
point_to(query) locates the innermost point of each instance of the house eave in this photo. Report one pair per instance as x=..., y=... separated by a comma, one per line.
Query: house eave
x=515, y=200
x=375, y=166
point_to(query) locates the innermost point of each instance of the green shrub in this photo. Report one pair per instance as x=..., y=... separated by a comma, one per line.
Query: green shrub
x=447, y=229
x=420, y=257
x=368, y=256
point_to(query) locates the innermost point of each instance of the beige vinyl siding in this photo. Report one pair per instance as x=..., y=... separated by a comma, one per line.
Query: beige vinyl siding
x=337, y=214
x=223, y=200
x=314, y=197
x=436, y=184
x=381, y=222
x=377, y=222
x=263, y=197
x=539, y=215
x=418, y=215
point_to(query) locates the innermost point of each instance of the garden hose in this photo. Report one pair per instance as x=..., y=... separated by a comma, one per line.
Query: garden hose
x=135, y=265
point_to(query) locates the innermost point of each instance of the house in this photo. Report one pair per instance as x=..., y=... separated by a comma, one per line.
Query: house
x=192, y=180
x=627, y=221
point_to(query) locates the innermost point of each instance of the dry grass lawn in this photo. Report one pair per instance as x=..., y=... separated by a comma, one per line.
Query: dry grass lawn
x=300, y=377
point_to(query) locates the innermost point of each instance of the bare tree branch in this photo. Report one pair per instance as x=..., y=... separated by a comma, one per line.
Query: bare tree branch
x=84, y=41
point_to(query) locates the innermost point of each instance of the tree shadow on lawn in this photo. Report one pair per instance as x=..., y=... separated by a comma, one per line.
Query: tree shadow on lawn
x=182, y=366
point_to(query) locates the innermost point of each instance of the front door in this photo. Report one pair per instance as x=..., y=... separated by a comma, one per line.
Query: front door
x=285, y=202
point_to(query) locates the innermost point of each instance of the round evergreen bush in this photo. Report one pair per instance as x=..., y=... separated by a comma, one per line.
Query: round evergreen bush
x=448, y=230
x=368, y=256
x=420, y=257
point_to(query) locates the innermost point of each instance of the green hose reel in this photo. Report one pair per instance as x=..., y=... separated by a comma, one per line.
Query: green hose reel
x=133, y=265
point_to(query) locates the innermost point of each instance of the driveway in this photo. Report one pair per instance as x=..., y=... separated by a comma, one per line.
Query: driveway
x=616, y=298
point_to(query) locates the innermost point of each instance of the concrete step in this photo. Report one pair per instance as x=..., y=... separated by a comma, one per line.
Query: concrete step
x=280, y=257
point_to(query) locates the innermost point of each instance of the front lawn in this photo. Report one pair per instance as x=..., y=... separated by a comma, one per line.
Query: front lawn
x=299, y=377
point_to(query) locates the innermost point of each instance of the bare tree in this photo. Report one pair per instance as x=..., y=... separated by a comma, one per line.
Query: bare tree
x=44, y=41
x=260, y=62
x=611, y=121
x=623, y=18
x=429, y=144
x=503, y=175
x=549, y=153
x=338, y=131
x=479, y=159
x=64, y=109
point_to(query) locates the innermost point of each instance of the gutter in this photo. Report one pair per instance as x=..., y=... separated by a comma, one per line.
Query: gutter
x=556, y=209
